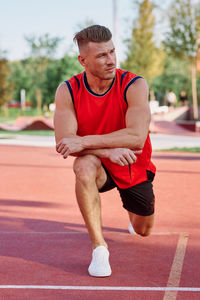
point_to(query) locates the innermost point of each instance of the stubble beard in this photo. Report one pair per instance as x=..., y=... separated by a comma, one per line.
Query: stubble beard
x=104, y=75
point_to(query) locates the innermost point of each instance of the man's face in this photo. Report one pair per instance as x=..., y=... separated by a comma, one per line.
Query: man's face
x=99, y=59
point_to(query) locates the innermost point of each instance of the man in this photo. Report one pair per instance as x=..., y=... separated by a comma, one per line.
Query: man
x=102, y=116
x=171, y=99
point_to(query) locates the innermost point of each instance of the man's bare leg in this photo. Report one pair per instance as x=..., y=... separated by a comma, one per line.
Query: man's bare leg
x=142, y=225
x=90, y=176
x=89, y=173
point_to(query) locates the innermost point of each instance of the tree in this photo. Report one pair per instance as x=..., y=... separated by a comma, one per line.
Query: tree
x=144, y=57
x=43, y=46
x=59, y=70
x=22, y=77
x=42, y=52
x=174, y=77
x=5, y=86
x=183, y=38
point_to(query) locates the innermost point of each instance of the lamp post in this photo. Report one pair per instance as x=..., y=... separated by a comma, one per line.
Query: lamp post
x=23, y=99
x=115, y=29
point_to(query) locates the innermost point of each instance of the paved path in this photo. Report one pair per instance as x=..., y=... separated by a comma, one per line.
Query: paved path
x=159, y=141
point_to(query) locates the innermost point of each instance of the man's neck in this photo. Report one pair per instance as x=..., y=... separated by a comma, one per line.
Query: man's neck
x=97, y=85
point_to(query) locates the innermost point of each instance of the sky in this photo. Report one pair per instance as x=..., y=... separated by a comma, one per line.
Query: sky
x=60, y=18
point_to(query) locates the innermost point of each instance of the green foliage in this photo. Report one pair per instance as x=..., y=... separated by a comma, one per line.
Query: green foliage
x=144, y=57
x=15, y=112
x=182, y=40
x=40, y=74
x=198, y=91
x=22, y=77
x=5, y=86
x=184, y=19
x=6, y=133
x=58, y=71
x=175, y=77
x=42, y=50
x=26, y=77
x=176, y=149
x=43, y=46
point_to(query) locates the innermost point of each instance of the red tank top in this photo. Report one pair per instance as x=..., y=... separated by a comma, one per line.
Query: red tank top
x=102, y=114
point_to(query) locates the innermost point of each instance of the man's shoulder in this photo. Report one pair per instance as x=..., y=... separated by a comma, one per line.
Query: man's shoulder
x=75, y=78
x=74, y=83
x=126, y=77
x=126, y=73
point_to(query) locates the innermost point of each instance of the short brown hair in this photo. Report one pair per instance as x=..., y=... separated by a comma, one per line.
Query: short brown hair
x=94, y=33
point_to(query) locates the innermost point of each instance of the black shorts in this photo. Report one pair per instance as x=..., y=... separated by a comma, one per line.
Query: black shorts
x=138, y=199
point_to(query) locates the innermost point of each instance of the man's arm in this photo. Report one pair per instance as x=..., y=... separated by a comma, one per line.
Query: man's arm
x=65, y=121
x=137, y=125
x=120, y=156
x=65, y=124
x=137, y=122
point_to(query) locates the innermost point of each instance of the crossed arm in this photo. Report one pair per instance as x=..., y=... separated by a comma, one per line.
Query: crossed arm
x=116, y=145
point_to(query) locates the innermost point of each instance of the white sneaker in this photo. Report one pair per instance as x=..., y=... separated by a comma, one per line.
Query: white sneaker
x=130, y=229
x=100, y=266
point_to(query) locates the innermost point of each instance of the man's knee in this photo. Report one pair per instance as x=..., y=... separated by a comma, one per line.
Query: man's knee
x=143, y=231
x=142, y=224
x=86, y=166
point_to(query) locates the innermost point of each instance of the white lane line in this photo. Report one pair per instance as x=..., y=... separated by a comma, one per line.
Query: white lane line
x=176, y=269
x=101, y=288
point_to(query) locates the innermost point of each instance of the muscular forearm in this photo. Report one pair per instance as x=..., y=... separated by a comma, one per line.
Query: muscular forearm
x=101, y=153
x=99, y=144
x=120, y=156
x=124, y=138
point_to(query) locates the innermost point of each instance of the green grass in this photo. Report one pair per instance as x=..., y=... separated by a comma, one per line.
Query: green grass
x=7, y=121
x=27, y=132
x=192, y=149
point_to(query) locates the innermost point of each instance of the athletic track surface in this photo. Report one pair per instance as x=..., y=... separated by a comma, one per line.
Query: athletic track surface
x=44, y=246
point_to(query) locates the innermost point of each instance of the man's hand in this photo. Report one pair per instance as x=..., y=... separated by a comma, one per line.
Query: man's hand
x=70, y=145
x=122, y=156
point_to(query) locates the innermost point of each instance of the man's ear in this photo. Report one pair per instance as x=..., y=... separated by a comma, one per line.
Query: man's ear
x=81, y=60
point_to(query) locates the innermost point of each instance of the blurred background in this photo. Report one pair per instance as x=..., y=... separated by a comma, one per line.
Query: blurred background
x=159, y=40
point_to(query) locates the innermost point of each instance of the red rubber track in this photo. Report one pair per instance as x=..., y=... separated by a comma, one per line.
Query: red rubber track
x=43, y=240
